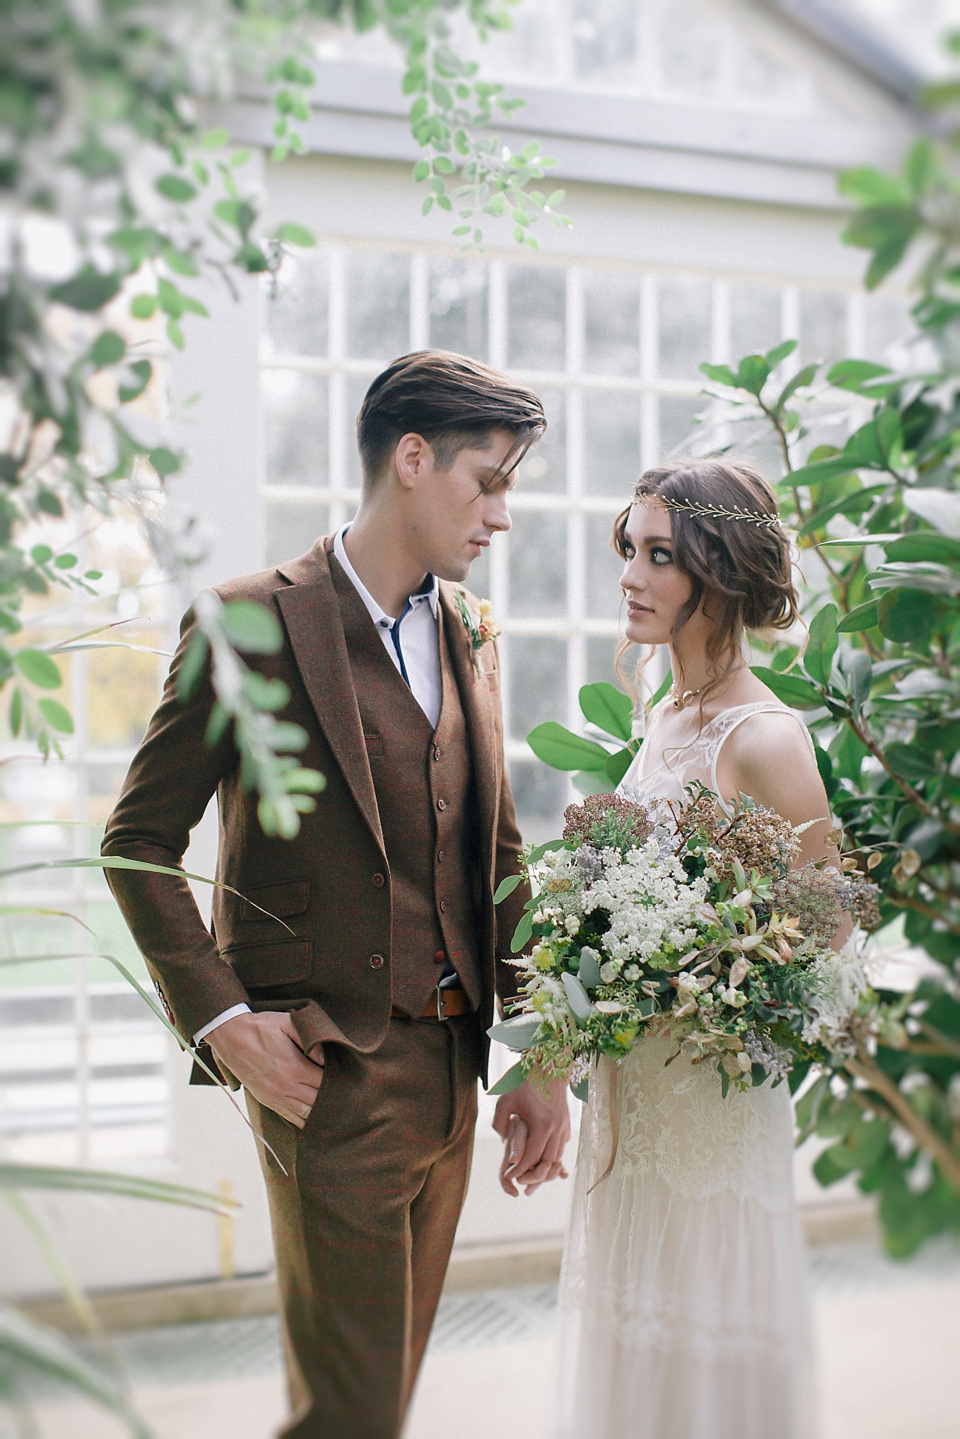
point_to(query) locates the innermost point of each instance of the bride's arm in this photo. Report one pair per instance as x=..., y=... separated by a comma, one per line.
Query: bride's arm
x=768, y=758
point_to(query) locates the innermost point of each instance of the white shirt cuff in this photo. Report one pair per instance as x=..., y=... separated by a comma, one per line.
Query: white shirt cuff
x=220, y=1019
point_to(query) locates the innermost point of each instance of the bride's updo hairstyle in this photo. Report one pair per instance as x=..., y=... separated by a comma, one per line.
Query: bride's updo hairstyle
x=728, y=540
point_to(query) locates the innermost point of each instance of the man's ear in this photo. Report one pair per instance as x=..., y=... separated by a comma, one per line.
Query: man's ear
x=413, y=458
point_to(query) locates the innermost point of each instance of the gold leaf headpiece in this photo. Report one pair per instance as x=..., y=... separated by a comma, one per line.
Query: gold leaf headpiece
x=717, y=512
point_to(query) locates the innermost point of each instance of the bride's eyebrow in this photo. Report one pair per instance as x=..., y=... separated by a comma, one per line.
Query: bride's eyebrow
x=658, y=540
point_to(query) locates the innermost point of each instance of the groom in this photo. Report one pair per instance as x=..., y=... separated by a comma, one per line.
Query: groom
x=350, y=989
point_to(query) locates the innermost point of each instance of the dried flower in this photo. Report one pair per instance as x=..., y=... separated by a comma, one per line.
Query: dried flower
x=761, y=839
x=862, y=898
x=606, y=821
x=811, y=895
x=910, y=862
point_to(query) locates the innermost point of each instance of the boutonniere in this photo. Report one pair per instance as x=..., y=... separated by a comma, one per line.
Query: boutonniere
x=480, y=628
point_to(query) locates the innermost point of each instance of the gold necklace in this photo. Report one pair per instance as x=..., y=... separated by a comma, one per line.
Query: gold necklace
x=682, y=699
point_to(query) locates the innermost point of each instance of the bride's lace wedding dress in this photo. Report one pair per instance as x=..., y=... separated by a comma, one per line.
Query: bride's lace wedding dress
x=683, y=1301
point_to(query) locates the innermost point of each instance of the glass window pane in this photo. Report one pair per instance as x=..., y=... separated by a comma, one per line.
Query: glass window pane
x=357, y=387
x=888, y=327
x=611, y=424
x=823, y=325
x=678, y=414
x=536, y=317
x=754, y=320
x=545, y=467
x=605, y=40
x=611, y=305
x=378, y=305
x=601, y=653
x=541, y=795
x=458, y=306
x=686, y=320
x=290, y=528
x=538, y=564
x=603, y=569
x=478, y=580
x=295, y=417
x=538, y=682
x=296, y=305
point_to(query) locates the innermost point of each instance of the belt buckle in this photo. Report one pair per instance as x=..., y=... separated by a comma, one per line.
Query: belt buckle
x=440, y=1013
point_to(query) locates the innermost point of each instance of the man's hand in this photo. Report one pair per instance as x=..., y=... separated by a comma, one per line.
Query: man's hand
x=264, y=1053
x=534, y=1156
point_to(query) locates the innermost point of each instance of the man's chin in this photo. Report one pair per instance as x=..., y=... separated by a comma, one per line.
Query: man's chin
x=455, y=571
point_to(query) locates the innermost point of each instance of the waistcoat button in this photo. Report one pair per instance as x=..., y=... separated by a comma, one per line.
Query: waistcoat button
x=440, y=855
x=379, y=881
x=441, y=804
x=377, y=961
x=439, y=957
x=443, y=906
x=436, y=751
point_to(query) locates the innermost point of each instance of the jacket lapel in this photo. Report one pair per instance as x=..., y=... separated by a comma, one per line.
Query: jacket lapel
x=479, y=713
x=311, y=613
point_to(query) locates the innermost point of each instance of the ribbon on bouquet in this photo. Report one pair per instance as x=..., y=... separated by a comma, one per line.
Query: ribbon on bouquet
x=613, y=1109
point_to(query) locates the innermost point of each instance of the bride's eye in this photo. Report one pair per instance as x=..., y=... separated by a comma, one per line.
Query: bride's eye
x=660, y=556
x=628, y=550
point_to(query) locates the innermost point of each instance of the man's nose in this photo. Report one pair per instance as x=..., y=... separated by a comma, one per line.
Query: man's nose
x=496, y=515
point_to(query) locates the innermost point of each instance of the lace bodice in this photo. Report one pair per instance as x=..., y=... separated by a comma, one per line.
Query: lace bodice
x=696, y=760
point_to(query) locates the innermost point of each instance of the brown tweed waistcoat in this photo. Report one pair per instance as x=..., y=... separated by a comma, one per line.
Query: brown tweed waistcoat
x=426, y=800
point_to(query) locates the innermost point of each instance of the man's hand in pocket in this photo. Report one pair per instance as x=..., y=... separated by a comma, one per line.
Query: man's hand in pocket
x=264, y=1053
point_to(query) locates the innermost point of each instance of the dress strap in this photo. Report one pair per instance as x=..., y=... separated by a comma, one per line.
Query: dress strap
x=728, y=720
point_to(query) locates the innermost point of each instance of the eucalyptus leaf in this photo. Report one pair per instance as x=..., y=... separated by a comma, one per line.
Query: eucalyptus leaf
x=510, y=1081
x=517, y=1033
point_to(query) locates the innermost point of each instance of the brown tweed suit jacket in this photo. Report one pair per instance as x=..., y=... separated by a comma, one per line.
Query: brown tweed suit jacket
x=324, y=951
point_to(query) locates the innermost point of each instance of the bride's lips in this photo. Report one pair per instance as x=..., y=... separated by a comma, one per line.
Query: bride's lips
x=635, y=609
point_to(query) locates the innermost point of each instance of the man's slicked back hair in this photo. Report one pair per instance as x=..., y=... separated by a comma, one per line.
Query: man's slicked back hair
x=452, y=401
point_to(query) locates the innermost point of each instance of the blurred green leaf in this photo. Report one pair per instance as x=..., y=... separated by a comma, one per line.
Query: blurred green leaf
x=791, y=689
x=56, y=716
x=562, y=749
x=38, y=668
x=608, y=708
x=252, y=628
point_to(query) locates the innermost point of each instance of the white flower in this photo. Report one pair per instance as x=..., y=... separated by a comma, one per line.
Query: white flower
x=608, y=972
x=839, y=982
x=632, y=972
x=572, y=924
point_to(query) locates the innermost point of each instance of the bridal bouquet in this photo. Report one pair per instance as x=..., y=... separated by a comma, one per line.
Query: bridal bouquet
x=689, y=919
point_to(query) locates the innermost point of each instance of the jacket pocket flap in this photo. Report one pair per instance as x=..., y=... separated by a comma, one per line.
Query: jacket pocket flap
x=277, y=901
x=262, y=966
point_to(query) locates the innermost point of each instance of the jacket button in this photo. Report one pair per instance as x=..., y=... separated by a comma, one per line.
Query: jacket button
x=379, y=881
x=443, y=906
x=377, y=961
x=441, y=804
x=440, y=957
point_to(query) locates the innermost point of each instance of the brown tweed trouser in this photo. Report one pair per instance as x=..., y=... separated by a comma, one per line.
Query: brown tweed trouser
x=364, y=1221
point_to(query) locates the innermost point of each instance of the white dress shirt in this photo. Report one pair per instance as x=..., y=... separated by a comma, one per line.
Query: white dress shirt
x=412, y=642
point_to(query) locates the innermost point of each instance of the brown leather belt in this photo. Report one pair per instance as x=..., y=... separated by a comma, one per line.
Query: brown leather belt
x=442, y=1004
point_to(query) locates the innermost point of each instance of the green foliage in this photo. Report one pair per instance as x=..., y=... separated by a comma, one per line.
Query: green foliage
x=598, y=769
x=92, y=99
x=879, y=677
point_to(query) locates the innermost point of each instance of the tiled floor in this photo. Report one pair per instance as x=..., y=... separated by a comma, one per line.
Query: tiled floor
x=888, y=1333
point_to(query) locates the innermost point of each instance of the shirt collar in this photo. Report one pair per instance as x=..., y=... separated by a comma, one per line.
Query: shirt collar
x=430, y=590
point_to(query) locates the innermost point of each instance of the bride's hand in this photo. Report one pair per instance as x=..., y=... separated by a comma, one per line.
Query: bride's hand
x=534, y=1122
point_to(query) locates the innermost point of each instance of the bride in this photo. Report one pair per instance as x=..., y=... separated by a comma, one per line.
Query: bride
x=684, y=1312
